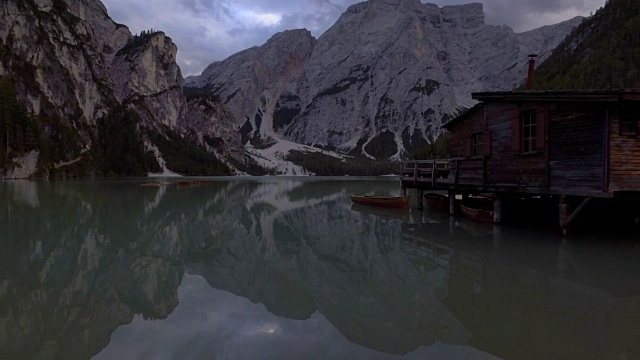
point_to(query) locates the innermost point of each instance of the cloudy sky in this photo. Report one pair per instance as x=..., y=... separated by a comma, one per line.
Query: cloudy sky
x=211, y=30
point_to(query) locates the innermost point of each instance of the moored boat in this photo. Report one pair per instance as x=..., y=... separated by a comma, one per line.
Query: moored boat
x=384, y=201
x=182, y=183
x=481, y=215
x=435, y=201
x=154, y=184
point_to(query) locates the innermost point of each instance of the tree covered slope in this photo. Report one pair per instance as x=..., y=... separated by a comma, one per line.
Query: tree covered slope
x=602, y=52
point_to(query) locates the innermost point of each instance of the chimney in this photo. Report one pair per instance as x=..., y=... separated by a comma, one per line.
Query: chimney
x=532, y=64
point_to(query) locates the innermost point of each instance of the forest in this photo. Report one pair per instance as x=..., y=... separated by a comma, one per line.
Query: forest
x=603, y=52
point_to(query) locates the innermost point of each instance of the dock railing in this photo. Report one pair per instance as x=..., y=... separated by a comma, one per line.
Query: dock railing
x=423, y=171
x=430, y=173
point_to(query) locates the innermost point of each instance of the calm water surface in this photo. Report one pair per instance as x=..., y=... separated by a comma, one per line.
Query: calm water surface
x=283, y=268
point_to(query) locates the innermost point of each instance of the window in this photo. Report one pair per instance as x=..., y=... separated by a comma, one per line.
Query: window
x=528, y=131
x=477, y=143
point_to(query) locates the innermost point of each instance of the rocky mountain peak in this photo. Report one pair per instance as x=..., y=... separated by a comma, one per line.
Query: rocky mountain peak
x=291, y=35
x=466, y=15
x=145, y=70
x=380, y=82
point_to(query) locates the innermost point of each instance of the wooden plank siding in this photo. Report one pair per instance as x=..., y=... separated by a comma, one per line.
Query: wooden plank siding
x=460, y=140
x=624, y=163
x=507, y=165
x=576, y=147
x=587, y=143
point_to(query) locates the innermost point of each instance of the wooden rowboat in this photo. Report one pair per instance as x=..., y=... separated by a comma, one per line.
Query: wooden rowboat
x=183, y=184
x=435, y=201
x=384, y=201
x=154, y=184
x=485, y=216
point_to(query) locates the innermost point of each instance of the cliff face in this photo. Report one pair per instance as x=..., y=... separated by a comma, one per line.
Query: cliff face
x=58, y=53
x=381, y=81
x=252, y=81
x=76, y=73
x=208, y=120
x=146, y=77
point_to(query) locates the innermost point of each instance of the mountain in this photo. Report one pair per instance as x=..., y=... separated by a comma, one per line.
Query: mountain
x=380, y=82
x=603, y=52
x=81, y=96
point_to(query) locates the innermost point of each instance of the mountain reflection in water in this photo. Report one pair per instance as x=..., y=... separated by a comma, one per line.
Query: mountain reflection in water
x=289, y=268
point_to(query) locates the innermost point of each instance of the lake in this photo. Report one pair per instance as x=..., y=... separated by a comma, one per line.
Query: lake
x=288, y=268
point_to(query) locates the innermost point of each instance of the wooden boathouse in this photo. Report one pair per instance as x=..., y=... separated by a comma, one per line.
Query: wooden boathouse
x=571, y=145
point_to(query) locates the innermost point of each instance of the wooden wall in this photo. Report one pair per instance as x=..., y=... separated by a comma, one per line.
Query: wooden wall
x=506, y=164
x=460, y=139
x=624, y=159
x=570, y=152
x=576, y=146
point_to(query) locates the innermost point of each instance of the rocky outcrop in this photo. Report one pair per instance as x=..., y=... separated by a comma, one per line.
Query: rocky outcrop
x=79, y=74
x=252, y=81
x=147, y=78
x=381, y=81
x=58, y=53
x=211, y=122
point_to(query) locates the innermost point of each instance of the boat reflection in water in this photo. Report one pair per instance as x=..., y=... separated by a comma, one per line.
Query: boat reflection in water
x=290, y=268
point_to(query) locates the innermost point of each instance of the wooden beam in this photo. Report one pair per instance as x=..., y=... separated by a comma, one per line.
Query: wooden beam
x=577, y=211
x=452, y=203
x=566, y=217
x=607, y=150
x=433, y=174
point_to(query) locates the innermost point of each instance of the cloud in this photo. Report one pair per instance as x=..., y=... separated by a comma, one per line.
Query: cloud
x=211, y=30
x=214, y=324
x=524, y=15
x=214, y=8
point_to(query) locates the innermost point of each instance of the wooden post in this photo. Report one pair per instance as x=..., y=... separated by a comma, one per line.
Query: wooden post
x=457, y=176
x=563, y=212
x=415, y=173
x=452, y=203
x=580, y=207
x=497, y=236
x=433, y=174
x=497, y=209
x=420, y=198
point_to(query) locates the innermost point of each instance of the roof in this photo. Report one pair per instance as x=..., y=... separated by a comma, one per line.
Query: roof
x=464, y=115
x=607, y=95
x=565, y=95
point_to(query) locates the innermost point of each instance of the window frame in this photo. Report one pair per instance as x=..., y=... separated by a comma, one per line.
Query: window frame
x=528, y=131
x=477, y=144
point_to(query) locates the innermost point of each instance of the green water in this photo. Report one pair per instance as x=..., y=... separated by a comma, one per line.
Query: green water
x=287, y=268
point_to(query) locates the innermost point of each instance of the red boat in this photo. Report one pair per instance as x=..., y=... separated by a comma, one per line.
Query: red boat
x=183, y=184
x=384, y=201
